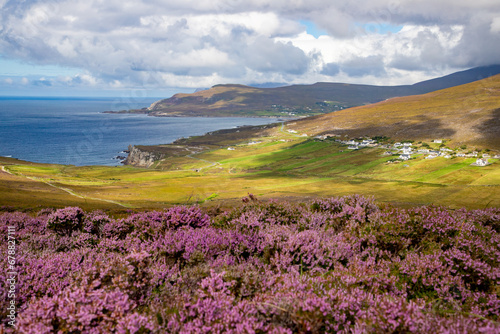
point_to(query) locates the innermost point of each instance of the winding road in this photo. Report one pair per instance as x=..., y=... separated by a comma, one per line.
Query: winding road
x=5, y=170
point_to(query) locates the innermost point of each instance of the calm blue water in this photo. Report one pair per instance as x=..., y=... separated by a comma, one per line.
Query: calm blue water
x=76, y=132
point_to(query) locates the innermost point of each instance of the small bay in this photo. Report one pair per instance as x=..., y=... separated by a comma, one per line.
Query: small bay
x=74, y=131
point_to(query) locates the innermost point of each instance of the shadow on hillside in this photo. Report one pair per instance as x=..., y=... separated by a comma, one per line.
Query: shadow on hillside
x=490, y=130
x=417, y=128
x=289, y=160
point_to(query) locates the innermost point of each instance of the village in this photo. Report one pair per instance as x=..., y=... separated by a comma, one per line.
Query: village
x=407, y=150
x=399, y=151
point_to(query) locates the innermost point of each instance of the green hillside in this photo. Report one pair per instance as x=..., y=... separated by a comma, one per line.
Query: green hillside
x=277, y=166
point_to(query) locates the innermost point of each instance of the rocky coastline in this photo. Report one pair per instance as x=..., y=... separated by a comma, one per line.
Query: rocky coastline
x=141, y=158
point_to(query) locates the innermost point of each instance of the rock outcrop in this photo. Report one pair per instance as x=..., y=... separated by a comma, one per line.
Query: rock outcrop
x=140, y=157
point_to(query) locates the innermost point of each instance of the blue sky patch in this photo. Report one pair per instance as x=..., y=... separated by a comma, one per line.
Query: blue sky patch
x=11, y=67
x=312, y=29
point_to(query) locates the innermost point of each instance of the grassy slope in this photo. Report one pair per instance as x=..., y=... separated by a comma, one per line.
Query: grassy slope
x=467, y=114
x=297, y=168
x=25, y=187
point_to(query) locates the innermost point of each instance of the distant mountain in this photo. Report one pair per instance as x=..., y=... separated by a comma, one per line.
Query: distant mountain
x=299, y=100
x=458, y=78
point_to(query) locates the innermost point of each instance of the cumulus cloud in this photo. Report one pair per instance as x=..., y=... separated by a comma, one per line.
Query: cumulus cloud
x=187, y=43
x=364, y=66
x=330, y=69
x=422, y=48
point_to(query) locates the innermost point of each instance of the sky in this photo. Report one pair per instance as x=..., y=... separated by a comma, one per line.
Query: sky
x=161, y=47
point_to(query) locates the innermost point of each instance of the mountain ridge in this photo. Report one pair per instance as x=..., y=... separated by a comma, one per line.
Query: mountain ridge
x=233, y=100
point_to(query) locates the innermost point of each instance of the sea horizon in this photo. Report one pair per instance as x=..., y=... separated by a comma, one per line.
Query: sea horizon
x=76, y=131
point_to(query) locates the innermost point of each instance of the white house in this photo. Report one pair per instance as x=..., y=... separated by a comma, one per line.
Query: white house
x=438, y=141
x=481, y=162
x=405, y=157
x=431, y=156
x=367, y=142
x=407, y=150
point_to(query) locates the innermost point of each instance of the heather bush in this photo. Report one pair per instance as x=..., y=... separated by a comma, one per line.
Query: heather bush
x=94, y=222
x=213, y=309
x=25, y=225
x=128, y=273
x=173, y=218
x=254, y=214
x=342, y=265
x=80, y=310
x=152, y=225
x=66, y=221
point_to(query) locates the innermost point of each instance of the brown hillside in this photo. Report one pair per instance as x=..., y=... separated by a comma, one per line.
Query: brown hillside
x=467, y=114
x=218, y=98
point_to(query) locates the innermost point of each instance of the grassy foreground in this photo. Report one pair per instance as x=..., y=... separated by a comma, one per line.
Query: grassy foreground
x=277, y=164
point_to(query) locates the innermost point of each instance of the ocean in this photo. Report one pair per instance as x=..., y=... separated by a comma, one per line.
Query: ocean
x=74, y=131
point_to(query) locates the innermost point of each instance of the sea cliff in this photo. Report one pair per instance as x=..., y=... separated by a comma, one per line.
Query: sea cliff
x=139, y=157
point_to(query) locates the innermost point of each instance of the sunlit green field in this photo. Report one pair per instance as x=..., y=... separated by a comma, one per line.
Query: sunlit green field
x=278, y=166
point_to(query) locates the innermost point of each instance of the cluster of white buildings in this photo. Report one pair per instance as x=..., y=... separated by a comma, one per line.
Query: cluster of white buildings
x=354, y=145
x=431, y=154
x=406, y=150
